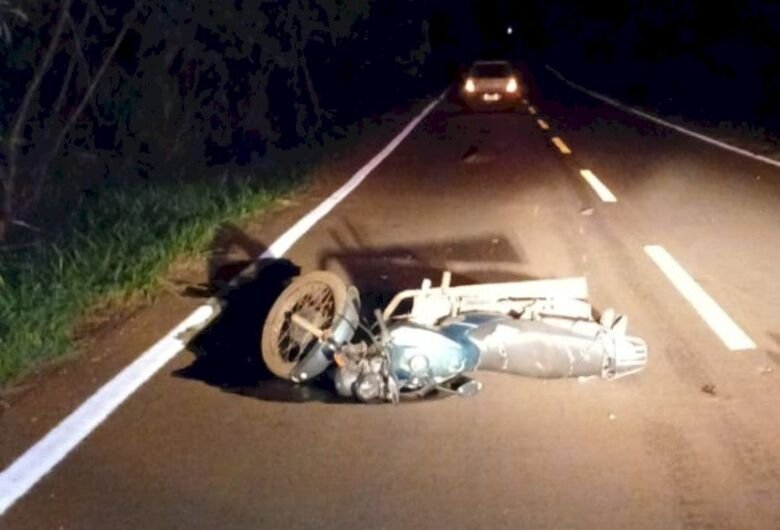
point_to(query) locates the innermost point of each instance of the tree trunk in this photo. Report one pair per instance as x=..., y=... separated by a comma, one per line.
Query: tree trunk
x=9, y=175
x=301, y=36
x=87, y=95
x=7, y=204
x=314, y=98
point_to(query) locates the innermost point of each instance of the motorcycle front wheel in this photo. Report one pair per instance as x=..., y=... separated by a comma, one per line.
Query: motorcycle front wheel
x=316, y=297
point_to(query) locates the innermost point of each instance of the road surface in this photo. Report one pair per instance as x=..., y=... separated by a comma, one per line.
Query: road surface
x=692, y=442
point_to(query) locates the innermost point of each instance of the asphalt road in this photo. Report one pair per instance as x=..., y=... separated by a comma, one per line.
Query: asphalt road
x=692, y=442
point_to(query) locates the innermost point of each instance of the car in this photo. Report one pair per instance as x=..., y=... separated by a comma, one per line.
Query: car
x=492, y=84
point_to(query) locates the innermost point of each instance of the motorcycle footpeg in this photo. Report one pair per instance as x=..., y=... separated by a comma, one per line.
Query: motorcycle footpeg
x=462, y=386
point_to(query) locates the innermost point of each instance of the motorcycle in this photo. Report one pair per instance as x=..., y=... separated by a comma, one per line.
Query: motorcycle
x=539, y=328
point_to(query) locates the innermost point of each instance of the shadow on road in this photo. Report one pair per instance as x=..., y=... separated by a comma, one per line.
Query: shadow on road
x=773, y=355
x=223, y=261
x=227, y=353
x=380, y=273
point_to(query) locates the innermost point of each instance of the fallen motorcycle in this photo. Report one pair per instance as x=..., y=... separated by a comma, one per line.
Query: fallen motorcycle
x=540, y=328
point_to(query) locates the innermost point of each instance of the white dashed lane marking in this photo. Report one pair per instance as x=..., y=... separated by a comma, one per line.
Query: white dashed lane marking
x=543, y=124
x=716, y=318
x=599, y=187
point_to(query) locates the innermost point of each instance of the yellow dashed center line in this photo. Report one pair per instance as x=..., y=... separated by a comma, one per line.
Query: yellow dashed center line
x=562, y=147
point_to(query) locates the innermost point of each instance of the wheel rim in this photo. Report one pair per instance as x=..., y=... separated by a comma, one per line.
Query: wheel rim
x=317, y=304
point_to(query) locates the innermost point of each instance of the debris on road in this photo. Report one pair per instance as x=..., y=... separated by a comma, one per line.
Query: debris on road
x=470, y=155
x=709, y=388
x=473, y=156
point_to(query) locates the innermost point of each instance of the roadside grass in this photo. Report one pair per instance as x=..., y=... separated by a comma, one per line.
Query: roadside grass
x=114, y=247
x=110, y=249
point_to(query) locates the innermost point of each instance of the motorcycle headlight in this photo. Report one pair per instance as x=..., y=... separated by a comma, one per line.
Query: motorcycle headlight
x=511, y=86
x=470, y=87
x=419, y=364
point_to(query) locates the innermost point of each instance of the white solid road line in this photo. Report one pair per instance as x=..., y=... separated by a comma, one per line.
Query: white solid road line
x=543, y=124
x=37, y=461
x=716, y=318
x=562, y=147
x=655, y=119
x=599, y=187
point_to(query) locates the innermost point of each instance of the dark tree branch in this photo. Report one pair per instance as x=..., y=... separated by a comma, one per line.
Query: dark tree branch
x=62, y=96
x=87, y=97
x=77, y=40
x=63, y=89
x=10, y=174
x=99, y=15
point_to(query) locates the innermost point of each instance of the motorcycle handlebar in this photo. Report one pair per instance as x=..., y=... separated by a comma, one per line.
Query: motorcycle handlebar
x=308, y=326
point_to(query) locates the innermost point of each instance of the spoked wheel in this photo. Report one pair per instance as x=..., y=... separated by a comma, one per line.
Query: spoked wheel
x=317, y=297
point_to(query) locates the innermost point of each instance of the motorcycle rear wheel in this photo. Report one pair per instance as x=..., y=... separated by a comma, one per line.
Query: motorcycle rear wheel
x=317, y=297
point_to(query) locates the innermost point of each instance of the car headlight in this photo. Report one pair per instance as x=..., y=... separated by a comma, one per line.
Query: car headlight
x=470, y=85
x=511, y=86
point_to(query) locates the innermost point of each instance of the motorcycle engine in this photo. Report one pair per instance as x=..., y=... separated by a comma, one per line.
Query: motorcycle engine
x=365, y=378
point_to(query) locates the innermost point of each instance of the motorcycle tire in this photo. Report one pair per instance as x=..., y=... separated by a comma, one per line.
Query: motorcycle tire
x=316, y=296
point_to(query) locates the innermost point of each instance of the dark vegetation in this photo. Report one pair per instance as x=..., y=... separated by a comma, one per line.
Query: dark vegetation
x=704, y=61
x=130, y=131
x=145, y=90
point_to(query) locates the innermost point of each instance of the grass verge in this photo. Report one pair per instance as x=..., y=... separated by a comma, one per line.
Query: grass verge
x=110, y=248
x=115, y=246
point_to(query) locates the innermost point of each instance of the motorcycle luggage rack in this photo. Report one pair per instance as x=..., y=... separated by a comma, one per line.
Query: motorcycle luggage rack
x=433, y=303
